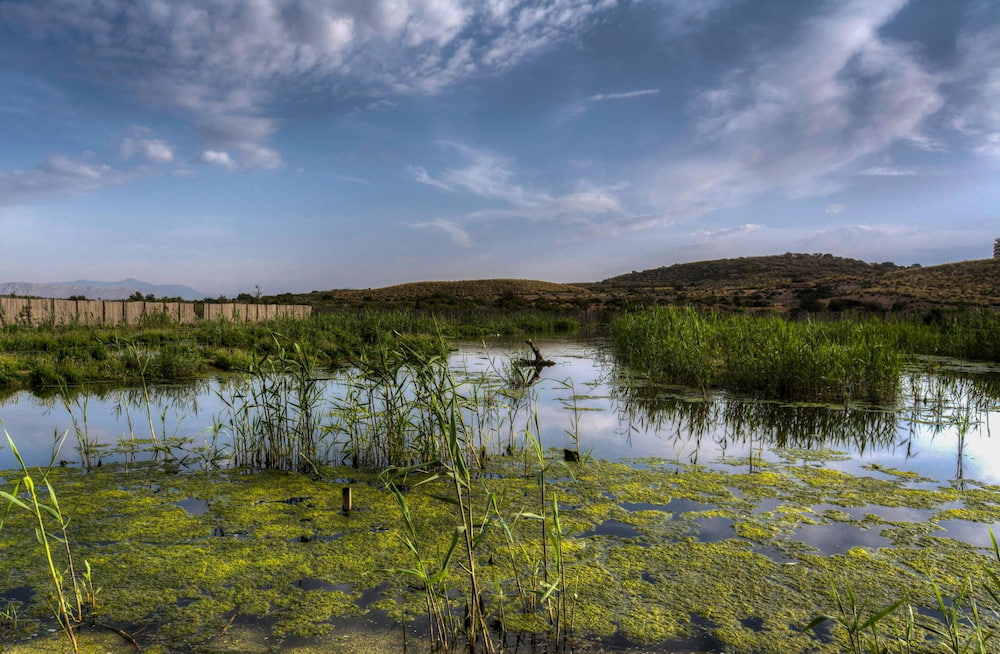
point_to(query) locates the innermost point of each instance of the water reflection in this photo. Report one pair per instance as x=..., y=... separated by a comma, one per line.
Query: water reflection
x=643, y=408
x=940, y=427
x=936, y=411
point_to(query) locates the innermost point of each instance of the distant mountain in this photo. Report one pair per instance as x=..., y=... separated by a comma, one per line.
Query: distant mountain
x=97, y=290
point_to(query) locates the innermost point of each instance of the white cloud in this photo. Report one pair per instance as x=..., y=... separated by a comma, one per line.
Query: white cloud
x=228, y=64
x=887, y=171
x=798, y=113
x=490, y=176
x=978, y=79
x=57, y=175
x=216, y=158
x=150, y=150
x=681, y=15
x=420, y=174
x=581, y=107
x=727, y=232
x=925, y=143
x=255, y=155
x=455, y=232
x=835, y=208
x=601, y=97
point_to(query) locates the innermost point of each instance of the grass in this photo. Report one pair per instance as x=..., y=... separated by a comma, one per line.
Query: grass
x=272, y=414
x=778, y=358
x=45, y=357
x=75, y=594
x=956, y=625
x=762, y=355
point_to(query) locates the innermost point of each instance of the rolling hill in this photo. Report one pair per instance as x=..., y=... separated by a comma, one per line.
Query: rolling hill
x=790, y=282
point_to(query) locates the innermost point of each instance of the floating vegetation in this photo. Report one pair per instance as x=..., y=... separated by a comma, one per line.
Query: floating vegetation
x=277, y=547
x=408, y=499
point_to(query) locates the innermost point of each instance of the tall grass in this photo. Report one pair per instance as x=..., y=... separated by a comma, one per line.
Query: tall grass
x=538, y=569
x=272, y=415
x=764, y=355
x=46, y=355
x=75, y=594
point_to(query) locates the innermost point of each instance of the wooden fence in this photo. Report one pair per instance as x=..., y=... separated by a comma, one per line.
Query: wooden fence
x=34, y=312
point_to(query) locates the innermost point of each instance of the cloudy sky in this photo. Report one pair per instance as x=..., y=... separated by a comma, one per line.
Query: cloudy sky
x=317, y=144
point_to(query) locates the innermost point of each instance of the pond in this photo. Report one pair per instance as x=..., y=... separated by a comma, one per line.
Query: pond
x=940, y=428
x=787, y=498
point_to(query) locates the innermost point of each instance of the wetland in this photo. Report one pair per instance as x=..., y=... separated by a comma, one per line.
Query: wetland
x=591, y=508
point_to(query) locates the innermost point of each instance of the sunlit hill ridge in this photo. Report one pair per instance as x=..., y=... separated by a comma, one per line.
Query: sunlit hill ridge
x=789, y=282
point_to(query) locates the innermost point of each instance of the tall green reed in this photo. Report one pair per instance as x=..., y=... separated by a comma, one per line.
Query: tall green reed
x=764, y=355
x=75, y=594
x=272, y=414
x=485, y=525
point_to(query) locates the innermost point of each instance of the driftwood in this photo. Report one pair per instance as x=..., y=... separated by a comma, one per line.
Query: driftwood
x=538, y=363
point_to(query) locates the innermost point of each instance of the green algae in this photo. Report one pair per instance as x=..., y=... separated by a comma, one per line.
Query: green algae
x=277, y=547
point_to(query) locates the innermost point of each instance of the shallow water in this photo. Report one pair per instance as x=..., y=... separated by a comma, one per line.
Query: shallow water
x=939, y=432
x=940, y=429
x=774, y=456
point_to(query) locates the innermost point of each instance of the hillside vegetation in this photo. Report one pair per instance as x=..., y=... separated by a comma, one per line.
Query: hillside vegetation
x=469, y=294
x=786, y=283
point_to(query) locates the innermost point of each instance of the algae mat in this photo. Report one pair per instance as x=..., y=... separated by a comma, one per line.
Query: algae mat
x=657, y=555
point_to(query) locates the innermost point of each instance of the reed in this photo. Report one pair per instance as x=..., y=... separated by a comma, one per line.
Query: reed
x=44, y=356
x=451, y=468
x=75, y=594
x=486, y=525
x=761, y=355
x=860, y=624
x=271, y=415
x=958, y=625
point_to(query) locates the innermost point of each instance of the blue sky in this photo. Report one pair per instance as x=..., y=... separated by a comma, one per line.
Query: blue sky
x=310, y=144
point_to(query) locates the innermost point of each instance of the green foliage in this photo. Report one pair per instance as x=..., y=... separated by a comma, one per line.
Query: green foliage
x=765, y=355
x=48, y=356
x=272, y=414
x=74, y=593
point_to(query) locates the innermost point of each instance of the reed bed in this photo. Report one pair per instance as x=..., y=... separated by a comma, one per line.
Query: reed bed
x=763, y=355
x=48, y=355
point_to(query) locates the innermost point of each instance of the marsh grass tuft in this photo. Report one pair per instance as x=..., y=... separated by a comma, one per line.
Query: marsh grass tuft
x=75, y=594
x=272, y=414
x=957, y=625
x=763, y=355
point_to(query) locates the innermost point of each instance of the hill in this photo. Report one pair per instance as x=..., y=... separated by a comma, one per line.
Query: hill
x=752, y=272
x=787, y=283
x=468, y=294
x=812, y=282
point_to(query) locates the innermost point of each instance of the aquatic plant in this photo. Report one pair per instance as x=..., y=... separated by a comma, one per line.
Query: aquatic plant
x=43, y=356
x=76, y=405
x=958, y=625
x=75, y=594
x=272, y=414
x=764, y=355
x=860, y=624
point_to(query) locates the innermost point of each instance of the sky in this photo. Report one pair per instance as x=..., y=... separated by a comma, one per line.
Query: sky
x=301, y=145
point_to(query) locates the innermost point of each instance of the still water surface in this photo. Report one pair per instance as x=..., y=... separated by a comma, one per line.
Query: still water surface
x=938, y=434
x=940, y=427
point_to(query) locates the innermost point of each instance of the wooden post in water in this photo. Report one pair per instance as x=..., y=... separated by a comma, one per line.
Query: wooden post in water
x=347, y=500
